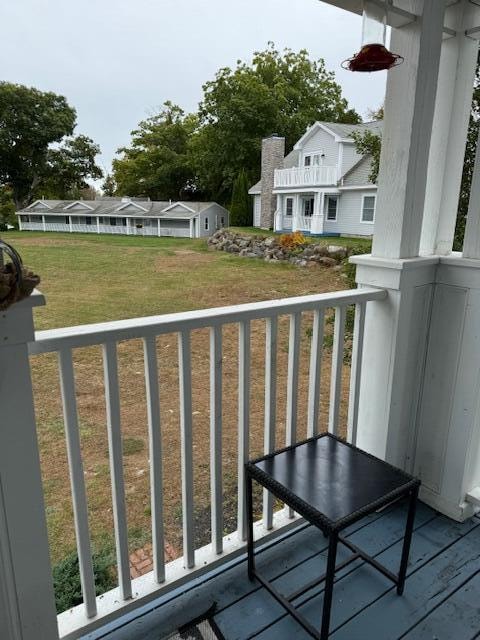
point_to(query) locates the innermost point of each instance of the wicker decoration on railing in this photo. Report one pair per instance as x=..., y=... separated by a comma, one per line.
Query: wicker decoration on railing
x=16, y=281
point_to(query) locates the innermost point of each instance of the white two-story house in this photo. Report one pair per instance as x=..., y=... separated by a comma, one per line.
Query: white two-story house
x=321, y=187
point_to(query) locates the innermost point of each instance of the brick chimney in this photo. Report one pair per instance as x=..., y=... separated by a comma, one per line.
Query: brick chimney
x=273, y=152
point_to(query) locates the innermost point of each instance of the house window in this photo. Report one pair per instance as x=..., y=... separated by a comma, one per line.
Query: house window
x=368, y=208
x=67, y=219
x=206, y=224
x=88, y=219
x=307, y=161
x=124, y=222
x=113, y=222
x=332, y=207
x=308, y=205
x=222, y=221
x=289, y=207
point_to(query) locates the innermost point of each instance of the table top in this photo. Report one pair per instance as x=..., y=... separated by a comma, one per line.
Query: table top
x=329, y=482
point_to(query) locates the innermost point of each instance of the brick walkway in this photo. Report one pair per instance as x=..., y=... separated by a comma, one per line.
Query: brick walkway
x=141, y=560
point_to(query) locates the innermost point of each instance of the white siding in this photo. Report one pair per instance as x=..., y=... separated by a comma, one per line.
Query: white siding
x=349, y=156
x=213, y=212
x=349, y=215
x=360, y=175
x=257, y=207
x=321, y=141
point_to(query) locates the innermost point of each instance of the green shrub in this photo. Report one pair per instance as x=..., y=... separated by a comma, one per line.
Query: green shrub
x=66, y=578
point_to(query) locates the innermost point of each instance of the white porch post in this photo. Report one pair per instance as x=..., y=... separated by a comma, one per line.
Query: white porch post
x=98, y=224
x=191, y=228
x=318, y=218
x=44, y=224
x=70, y=223
x=158, y=227
x=419, y=392
x=27, y=605
x=296, y=212
x=20, y=223
x=454, y=98
x=278, y=220
x=395, y=330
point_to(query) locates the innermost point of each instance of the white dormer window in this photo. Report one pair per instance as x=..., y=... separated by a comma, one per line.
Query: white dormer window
x=307, y=161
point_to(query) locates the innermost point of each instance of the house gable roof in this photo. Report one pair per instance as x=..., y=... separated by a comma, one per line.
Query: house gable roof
x=341, y=132
x=179, y=204
x=79, y=204
x=40, y=204
x=358, y=175
x=132, y=205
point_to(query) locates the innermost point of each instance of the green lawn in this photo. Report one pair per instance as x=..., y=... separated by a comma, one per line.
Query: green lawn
x=89, y=278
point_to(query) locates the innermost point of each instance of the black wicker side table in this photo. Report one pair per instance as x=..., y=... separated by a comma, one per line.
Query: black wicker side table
x=332, y=484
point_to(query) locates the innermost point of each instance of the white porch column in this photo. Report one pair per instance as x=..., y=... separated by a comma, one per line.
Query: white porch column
x=278, y=218
x=44, y=224
x=98, y=224
x=396, y=329
x=70, y=223
x=158, y=228
x=190, y=228
x=27, y=606
x=452, y=112
x=317, y=221
x=296, y=212
x=20, y=223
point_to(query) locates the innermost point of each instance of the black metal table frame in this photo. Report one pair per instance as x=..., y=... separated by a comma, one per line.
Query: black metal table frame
x=410, y=490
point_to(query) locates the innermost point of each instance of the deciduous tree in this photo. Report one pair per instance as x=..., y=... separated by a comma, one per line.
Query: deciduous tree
x=157, y=163
x=282, y=92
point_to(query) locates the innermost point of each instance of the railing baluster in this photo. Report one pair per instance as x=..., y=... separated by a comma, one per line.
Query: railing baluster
x=112, y=398
x=243, y=421
x=77, y=481
x=336, y=372
x=216, y=488
x=292, y=377
x=357, y=353
x=155, y=453
x=270, y=407
x=316, y=351
x=292, y=382
x=185, y=379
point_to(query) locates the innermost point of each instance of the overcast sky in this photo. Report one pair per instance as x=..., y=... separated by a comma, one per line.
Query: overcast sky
x=117, y=61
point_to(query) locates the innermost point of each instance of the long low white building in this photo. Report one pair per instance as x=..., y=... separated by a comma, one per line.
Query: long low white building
x=127, y=216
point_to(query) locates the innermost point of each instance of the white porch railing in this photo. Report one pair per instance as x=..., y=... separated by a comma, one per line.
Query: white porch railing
x=305, y=176
x=95, y=611
x=107, y=228
x=304, y=223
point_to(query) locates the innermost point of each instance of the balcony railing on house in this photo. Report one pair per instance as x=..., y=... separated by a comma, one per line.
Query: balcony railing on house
x=130, y=593
x=305, y=176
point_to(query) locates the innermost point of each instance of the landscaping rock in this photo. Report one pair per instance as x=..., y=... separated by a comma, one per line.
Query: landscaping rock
x=271, y=250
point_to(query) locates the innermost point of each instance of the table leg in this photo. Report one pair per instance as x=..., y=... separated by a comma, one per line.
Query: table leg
x=249, y=501
x=407, y=540
x=329, y=579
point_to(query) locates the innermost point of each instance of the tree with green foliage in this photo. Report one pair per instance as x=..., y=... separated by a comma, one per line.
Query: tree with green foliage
x=241, y=206
x=281, y=92
x=157, y=162
x=7, y=209
x=468, y=162
x=369, y=143
x=31, y=121
x=109, y=186
x=67, y=169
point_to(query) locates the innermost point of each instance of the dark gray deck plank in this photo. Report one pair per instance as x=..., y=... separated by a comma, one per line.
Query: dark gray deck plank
x=458, y=617
x=223, y=586
x=251, y=614
x=389, y=616
x=355, y=592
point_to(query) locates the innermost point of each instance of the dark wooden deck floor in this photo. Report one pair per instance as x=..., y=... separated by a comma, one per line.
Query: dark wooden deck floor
x=441, y=600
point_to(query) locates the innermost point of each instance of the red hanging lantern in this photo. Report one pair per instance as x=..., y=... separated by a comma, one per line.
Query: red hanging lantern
x=373, y=56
